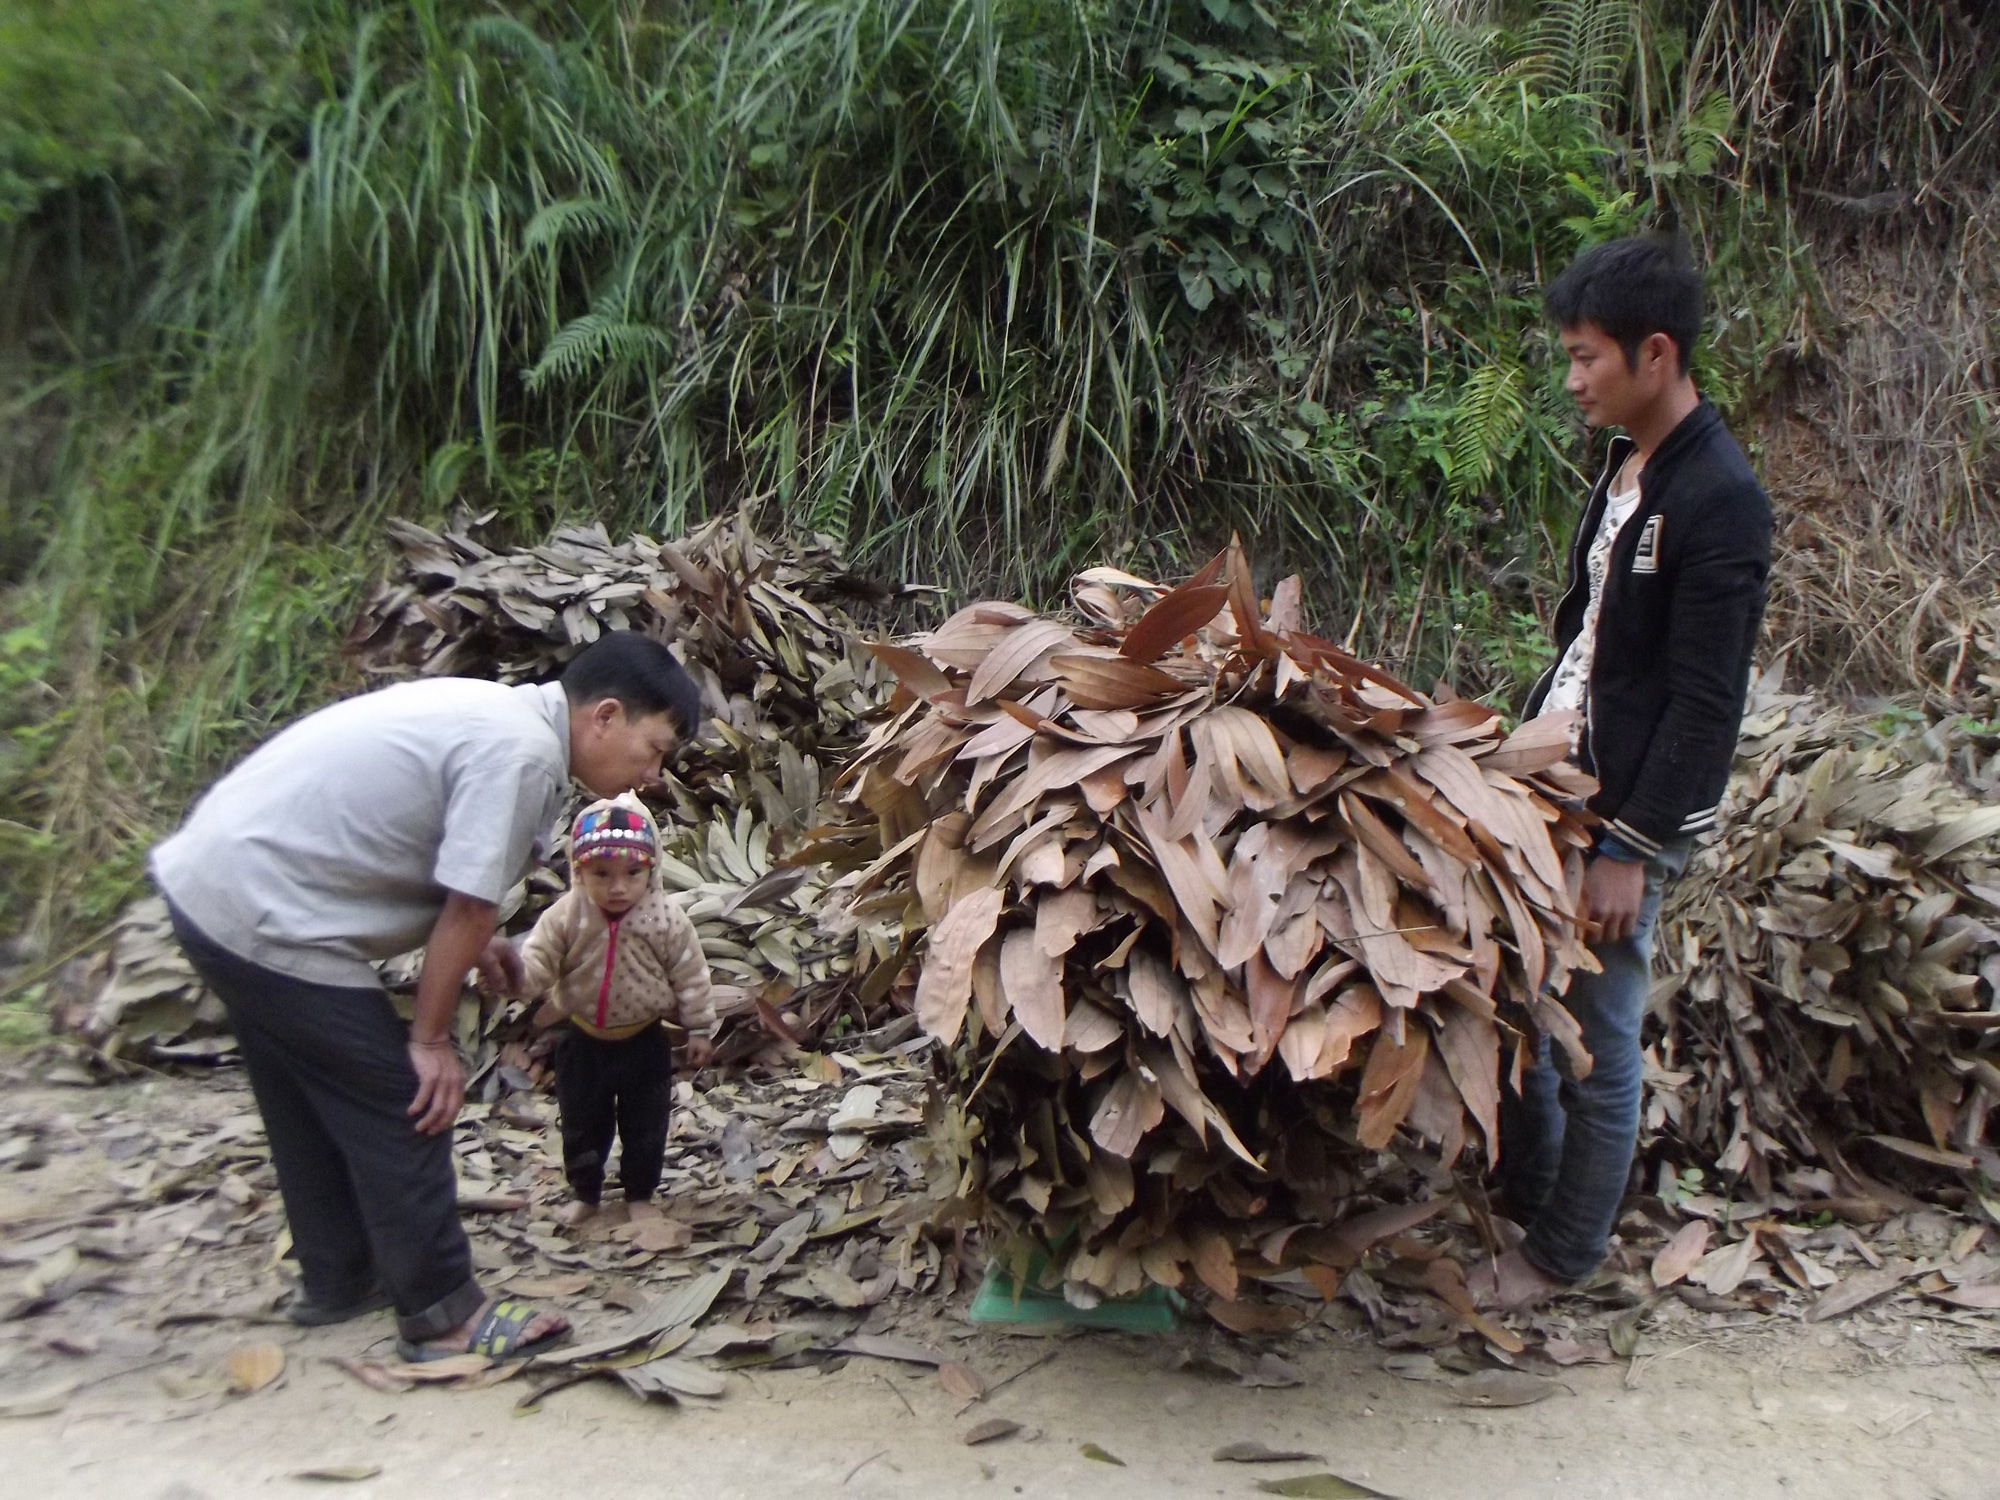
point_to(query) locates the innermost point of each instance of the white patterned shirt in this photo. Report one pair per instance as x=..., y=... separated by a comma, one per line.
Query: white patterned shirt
x=1570, y=687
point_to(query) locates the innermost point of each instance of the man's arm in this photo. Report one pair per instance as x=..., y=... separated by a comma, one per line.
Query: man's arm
x=457, y=942
x=1718, y=601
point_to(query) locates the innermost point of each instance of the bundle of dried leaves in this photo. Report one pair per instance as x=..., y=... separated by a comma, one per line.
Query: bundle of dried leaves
x=138, y=996
x=1211, y=908
x=1836, y=952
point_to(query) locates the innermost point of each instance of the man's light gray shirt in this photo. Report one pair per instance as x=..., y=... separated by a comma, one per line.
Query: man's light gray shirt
x=336, y=843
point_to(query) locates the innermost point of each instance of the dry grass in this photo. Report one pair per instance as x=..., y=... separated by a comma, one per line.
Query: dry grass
x=1880, y=460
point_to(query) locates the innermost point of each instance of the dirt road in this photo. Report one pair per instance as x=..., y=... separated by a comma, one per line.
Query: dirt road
x=1873, y=1406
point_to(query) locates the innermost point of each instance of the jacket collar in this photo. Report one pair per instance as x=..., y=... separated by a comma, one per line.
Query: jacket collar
x=1691, y=429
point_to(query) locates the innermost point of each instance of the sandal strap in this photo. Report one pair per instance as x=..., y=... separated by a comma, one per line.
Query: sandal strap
x=499, y=1332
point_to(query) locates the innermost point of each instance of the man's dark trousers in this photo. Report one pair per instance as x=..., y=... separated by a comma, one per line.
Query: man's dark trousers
x=371, y=1201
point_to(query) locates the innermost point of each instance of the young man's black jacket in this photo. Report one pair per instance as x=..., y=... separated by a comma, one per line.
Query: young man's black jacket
x=1683, y=598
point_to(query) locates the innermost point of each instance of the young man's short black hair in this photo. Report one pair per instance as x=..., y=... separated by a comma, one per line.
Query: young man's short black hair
x=1632, y=289
x=640, y=673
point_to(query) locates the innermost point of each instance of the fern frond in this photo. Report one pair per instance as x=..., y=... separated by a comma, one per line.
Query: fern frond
x=602, y=343
x=1486, y=425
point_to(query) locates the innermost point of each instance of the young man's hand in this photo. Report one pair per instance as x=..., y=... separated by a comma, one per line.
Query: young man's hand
x=440, y=1085
x=500, y=969
x=1613, y=892
x=699, y=1052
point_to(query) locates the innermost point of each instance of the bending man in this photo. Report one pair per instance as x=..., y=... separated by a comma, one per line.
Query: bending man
x=390, y=820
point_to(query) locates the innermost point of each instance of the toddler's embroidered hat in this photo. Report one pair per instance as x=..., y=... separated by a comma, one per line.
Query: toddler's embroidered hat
x=606, y=828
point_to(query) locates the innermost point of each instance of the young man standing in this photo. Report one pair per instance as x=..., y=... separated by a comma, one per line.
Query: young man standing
x=398, y=818
x=1654, y=640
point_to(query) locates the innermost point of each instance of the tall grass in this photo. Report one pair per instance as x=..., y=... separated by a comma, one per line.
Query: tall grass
x=986, y=288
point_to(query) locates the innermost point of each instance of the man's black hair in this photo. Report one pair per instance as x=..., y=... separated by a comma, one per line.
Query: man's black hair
x=1632, y=289
x=640, y=673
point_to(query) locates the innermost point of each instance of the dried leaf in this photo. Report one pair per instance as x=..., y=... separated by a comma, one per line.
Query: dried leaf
x=916, y=671
x=373, y=1374
x=672, y=1379
x=1258, y=1453
x=1575, y=1352
x=990, y=1430
x=1131, y=1106
x=1269, y=1372
x=38, y=1401
x=1502, y=1388
x=961, y=1380
x=1389, y=1084
x=1173, y=617
x=1681, y=1254
x=1857, y=1291
x=944, y=986
x=337, y=1473
x=251, y=1367
x=1017, y=652
x=1535, y=746
x=1422, y=1367
x=1112, y=681
x=1320, y=1487
x=1984, y=1297
x=886, y=1346
x=1215, y=1264
x=1032, y=982
x=1256, y=1317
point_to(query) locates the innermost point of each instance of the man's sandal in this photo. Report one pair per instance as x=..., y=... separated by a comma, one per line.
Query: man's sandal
x=497, y=1336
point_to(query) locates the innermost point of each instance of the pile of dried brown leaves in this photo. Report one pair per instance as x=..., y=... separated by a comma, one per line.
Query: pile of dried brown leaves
x=794, y=1208
x=1163, y=850
x=1835, y=954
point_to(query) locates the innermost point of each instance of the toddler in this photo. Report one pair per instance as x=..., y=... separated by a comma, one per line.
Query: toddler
x=616, y=959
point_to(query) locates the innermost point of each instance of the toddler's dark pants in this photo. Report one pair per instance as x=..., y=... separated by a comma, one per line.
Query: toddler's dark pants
x=624, y=1087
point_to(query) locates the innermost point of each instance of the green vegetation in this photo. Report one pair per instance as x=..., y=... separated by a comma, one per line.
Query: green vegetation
x=986, y=288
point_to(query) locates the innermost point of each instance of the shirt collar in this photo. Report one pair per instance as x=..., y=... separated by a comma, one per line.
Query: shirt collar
x=553, y=704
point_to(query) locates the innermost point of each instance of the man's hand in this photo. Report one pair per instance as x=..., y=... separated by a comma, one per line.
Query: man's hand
x=459, y=940
x=1613, y=891
x=699, y=1052
x=501, y=971
x=440, y=1085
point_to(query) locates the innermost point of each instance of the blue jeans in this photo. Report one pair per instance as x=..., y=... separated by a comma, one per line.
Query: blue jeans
x=1566, y=1145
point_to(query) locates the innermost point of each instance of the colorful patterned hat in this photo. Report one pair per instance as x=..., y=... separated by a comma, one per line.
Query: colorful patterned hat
x=612, y=828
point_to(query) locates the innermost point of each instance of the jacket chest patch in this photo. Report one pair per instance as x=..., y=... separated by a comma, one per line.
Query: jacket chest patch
x=1646, y=556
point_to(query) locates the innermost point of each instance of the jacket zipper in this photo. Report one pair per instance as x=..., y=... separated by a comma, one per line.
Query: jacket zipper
x=610, y=961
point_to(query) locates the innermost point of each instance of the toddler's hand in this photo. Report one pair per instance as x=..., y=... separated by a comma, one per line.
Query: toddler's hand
x=699, y=1051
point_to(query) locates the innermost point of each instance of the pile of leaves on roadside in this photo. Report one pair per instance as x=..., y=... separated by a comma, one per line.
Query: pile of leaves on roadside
x=762, y=629
x=1208, y=910
x=139, y=996
x=790, y=1232
x=793, y=1205
x=1830, y=965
